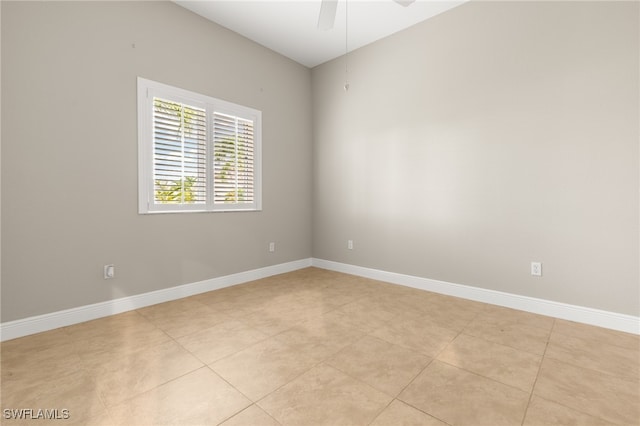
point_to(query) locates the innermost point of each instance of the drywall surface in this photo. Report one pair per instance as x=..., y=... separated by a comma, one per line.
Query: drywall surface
x=488, y=137
x=69, y=160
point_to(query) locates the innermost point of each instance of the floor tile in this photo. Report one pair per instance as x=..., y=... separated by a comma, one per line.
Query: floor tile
x=395, y=305
x=197, y=398
x=415, y=299
x=361, y=316
x=504, y=316
x=336, y=297
x=102, y=419
x=444, y=316
x=186, y=318
x=458, y=397
x=39, y=366
x=400, y=414
x=162, y=310
x=546, y=413
x=417, y=334
x=221, y=340
x=320, y=347
x=111, y=337
x=498, y=362
x=272, y=321
x=611, y=398
x=35, y=343
x=232, y=302
x=262, y=368
x=309, y=301
x=325, y=396
x=598, y=334
x=251, y=416
x=76, y=391
x=97, y=350
x=126, y=323
x=595, y=355
x=319, y=337
x=123, y=378
x=382, y=365
x=457, y=303
x=211, y=297
x=518, y=336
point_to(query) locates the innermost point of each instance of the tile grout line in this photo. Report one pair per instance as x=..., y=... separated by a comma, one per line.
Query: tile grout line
x=108, y=408
x=481, y=375
x=474, y=373
x=395, y=398
x=255, y=402
x=204, y=365
x=535, y=382
x=245, y=409
x=322, y=361
x=596, y=370
x=425, y=367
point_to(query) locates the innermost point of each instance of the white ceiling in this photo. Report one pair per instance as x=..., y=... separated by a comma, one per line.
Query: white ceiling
x=290, y=27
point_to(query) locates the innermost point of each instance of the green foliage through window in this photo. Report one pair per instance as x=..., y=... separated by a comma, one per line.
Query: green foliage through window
x=175, y=192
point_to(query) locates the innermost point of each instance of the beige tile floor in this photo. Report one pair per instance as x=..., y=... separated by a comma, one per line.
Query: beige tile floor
x=315, y=347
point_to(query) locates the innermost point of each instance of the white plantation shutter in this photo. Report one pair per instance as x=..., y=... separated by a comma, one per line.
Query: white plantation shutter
x=233, y=162
x=179, y=153
x=196, y=153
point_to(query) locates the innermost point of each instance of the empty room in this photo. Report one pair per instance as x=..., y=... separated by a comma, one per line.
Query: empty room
x=320, y=212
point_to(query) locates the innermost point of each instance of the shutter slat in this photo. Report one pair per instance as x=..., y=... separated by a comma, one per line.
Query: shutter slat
x=233, y=159
x=179, y=165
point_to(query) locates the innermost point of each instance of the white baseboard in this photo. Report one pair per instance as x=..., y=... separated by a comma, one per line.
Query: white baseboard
x=40, y=323
x=611, y=320
x=23, y=327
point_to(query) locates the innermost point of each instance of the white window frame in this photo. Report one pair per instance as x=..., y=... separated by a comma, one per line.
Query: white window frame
x=147, y=90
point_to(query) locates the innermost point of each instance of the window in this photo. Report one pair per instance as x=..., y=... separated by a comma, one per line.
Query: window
x=195, y=152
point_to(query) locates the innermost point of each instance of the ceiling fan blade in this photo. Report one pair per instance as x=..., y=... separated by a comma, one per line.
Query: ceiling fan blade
x=327, y=14
x=404, y=3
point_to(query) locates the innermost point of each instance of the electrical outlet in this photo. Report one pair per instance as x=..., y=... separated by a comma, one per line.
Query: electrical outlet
x=536, y=269
x=109, y=272
x=272, y=247
x=350, y=244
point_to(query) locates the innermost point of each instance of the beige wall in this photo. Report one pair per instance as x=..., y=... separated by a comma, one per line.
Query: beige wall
x=69, y=153
x=490, y=136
